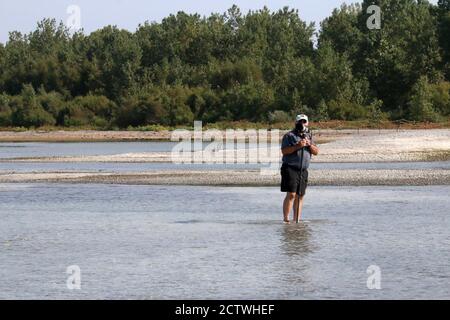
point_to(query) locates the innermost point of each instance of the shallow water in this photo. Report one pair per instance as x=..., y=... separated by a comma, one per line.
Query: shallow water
x=152, y=242
x=139, y=167
x=38, y=149
x=61, y=149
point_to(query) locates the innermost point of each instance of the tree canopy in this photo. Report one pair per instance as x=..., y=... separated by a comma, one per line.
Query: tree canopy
x=258, y=66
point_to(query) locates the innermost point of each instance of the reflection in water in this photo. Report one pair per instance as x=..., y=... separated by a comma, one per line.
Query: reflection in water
x=295, y=239
x=296, y=245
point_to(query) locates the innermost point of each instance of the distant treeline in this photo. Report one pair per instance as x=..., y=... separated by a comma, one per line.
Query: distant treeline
x=261, y=66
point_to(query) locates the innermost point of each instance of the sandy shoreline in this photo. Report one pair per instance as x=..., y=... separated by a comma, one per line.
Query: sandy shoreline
x=164, y=135
x=241, y=157
x=239, y=178
x=82, y=136
x=118, y=136
x=346, y=146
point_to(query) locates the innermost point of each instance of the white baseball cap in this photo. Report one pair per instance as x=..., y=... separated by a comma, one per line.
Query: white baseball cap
x=302, y=117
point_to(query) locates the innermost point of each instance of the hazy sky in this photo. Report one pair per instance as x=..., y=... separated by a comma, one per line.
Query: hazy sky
x=22, y=15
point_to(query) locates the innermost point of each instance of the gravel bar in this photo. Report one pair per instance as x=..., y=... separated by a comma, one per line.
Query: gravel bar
x=239, y=177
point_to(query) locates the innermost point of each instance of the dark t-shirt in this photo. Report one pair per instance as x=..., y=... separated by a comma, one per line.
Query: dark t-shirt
x=296, y=159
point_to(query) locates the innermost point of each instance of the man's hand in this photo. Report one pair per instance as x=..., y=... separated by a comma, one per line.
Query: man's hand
x=313, y=148
x=294, y=148
x=303, y=143
x=307, y=142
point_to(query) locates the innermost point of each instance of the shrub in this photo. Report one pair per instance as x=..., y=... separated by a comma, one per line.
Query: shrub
x=346, y=110
x=54, y=103
x=175, y=101
x=5, y=111
x=375, y=113
x=420, y=105
x=248, y=102
x=229, y=74
x=27, y=110
x=440, y=97
x=322, y=112
x=141, y=111
x=88, y=110
x=278, y=116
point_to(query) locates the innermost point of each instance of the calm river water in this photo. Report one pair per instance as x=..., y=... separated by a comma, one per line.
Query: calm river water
x=154, y=242
x=38, y=149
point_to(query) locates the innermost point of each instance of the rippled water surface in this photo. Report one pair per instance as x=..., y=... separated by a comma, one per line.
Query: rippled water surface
x=152, y=242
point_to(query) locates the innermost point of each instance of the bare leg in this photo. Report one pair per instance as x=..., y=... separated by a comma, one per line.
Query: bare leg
x=287, y=205
x=299, y=206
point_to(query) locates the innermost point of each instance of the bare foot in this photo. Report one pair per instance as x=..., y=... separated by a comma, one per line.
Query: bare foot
x=286, y=221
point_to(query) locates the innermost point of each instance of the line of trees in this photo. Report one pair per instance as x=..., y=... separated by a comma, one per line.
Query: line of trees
x=258, y=66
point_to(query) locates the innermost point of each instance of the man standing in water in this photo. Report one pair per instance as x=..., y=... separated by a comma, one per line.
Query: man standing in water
x=297, y=147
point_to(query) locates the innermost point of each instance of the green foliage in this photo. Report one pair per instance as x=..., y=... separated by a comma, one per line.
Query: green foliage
x=88, y=110
x=114, y=58
x=141, y=111
x=210, y=106
x=229, y=74
x=440, y=97
x=322, y=112
x=5, y=111
x=250, y=102
x=341, y=30
x=279, y=116
x=52, y=102
x=404, y=49
x=28, y=111
x=375, y=113
x=176, y=101
x=420, y=105
x=346, y=110
x=335, y=79
x=150, y=127
x=443, y=17
x=255, y=66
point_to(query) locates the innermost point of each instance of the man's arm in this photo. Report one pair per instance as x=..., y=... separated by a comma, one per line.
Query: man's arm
x=314, y=149
x=291, y=149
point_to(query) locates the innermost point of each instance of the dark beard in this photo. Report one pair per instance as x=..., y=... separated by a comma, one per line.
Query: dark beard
x=300, y=128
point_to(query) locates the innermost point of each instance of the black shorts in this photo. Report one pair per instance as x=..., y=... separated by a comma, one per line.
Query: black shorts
x=293, y=180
